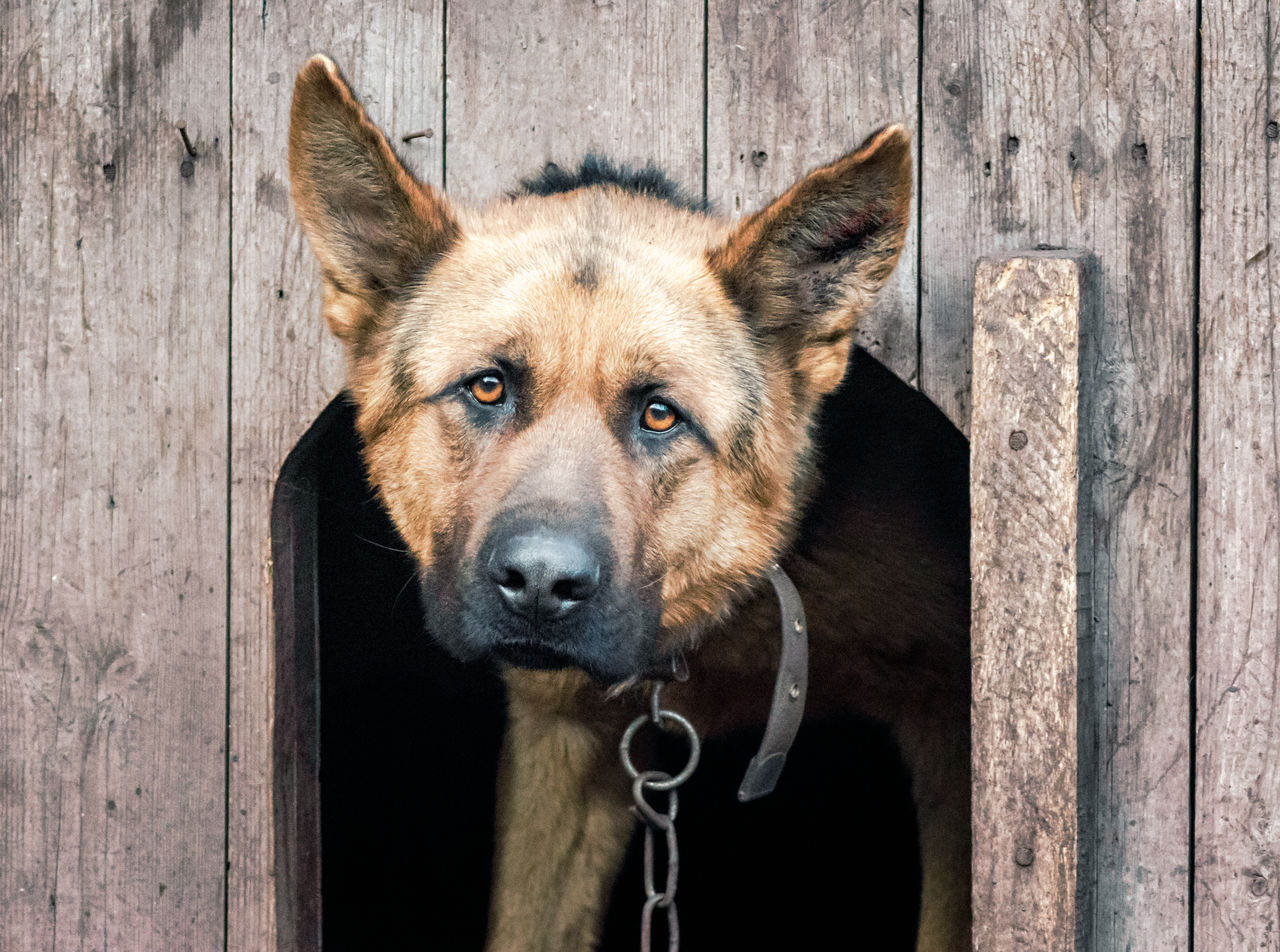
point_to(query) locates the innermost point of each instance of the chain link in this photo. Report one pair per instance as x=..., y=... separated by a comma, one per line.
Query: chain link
x=659, y=821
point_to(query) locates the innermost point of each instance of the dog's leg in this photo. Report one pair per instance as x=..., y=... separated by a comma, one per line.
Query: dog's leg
x=937, y=755
x=563, y=822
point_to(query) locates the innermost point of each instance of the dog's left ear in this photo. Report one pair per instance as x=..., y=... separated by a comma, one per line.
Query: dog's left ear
x=808, y=265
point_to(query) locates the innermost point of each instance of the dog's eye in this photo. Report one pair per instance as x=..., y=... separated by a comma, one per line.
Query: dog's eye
x=489, y=388
x=658, y=417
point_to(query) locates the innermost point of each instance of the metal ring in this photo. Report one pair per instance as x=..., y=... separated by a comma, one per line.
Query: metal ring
x=648, y=780
x=695, y=749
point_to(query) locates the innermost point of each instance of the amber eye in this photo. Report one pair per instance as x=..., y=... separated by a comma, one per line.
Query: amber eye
x=658, y=417
x=488, y=388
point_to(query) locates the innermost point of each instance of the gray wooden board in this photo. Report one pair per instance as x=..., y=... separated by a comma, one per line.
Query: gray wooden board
x=1237, y=849
x=1028, y=316
x=114, y=375
x=285, y=365
x=793, y=85
x=531, y=81
x=1073, y=124
x=113, y=324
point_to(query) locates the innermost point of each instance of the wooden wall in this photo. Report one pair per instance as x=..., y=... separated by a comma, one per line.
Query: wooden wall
x=161, y=349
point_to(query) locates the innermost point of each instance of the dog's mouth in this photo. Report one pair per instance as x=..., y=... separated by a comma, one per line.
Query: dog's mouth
x=604, y=669
x=611, y=638
x=535, y=655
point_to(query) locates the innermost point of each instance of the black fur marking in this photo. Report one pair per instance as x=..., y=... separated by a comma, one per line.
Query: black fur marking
x=585, y=276
x=824, y=287
x=669, y=478
x=595, y=170
x=740, y=451
x=750, y=385
x=337, y=285
x=403, y=381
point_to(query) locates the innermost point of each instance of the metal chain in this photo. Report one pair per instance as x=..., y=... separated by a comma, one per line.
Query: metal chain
x=656, y=821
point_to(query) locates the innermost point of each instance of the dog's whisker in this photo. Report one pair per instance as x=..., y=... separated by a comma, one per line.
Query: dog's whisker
x=396, y=601
x=389, y=548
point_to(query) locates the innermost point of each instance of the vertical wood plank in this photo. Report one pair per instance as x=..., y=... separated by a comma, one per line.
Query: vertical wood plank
x=1073, y=124
x=1029, y=314
x=285, y=367
x=1238, y=644
x=793, y=85
x=113, y=336
x=532, y=81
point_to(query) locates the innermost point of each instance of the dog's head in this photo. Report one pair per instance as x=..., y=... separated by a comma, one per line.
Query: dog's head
x=587, y=411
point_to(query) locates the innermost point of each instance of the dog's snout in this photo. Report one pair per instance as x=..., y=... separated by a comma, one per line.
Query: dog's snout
x=544, y=575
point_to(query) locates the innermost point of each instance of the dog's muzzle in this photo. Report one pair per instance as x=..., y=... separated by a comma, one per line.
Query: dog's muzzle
x=544, y=591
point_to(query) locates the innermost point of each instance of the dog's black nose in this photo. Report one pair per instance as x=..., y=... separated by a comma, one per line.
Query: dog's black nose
x=543, y=575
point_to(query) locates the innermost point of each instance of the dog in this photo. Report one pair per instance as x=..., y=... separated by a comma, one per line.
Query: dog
x=590, y=412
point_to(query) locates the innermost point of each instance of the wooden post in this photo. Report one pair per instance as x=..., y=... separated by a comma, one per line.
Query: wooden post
x=1032, y=315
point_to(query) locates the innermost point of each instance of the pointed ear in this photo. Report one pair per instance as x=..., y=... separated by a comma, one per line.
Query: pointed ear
x=807, y=266
x=373, y=226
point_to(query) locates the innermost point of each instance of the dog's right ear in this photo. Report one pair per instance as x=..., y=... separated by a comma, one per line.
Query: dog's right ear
x=373, y=226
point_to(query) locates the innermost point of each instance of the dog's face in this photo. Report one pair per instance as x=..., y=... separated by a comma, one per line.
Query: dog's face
x=587, y=412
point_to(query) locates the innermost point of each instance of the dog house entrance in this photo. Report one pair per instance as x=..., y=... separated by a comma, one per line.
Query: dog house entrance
x=386, y=756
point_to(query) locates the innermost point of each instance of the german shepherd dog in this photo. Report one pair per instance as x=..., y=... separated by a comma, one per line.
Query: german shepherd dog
x=589, y=410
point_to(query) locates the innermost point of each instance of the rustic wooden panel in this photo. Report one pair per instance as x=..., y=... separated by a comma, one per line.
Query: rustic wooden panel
x=1029, y=313
x=1238, y=646
x=1073, y=124
x=792, y=85
x=285, y=367
x=537, y=80
x=113, y=335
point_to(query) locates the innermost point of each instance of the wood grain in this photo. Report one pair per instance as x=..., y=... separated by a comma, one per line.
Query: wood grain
x=1237, y=849
x=1073, y=124
x=532, y=81
x=285, y=366
x=793, y=85
x=113, y=324
x=1029, y=313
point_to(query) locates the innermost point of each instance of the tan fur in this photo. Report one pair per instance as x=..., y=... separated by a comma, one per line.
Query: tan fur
x=563, y=822
x=424, y=294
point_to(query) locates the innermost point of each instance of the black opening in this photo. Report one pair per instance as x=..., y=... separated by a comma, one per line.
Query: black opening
x=395, y=746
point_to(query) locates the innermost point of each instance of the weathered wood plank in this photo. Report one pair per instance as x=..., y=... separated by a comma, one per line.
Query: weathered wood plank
x=532, y=81
x=1238, y=644
x=113, y=331
x=285, y=367
x=792, y=85
x=1073, y=124
x=1029, y=315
